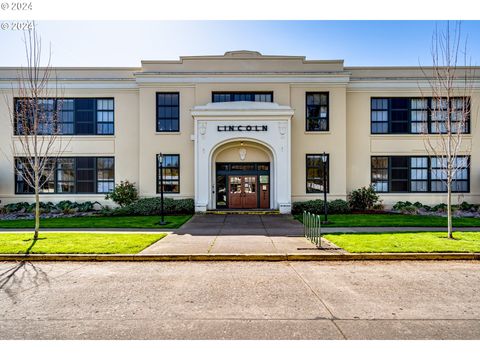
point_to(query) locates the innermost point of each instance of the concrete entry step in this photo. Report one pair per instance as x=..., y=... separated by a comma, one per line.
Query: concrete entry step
x=243, y=212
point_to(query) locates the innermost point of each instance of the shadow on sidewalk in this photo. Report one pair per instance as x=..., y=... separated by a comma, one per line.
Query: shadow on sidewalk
x=22, y=273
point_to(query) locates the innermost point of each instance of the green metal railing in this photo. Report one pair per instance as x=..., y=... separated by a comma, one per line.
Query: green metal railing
x=312, y=228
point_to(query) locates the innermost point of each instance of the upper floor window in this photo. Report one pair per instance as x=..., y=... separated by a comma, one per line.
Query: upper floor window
x=171, y=174
x=263, y=96
x=317, y=111
x=70, y=175
x=79, y=116
x=315, y=173
x=419, y=115
x=168, y=112
x=417, y=174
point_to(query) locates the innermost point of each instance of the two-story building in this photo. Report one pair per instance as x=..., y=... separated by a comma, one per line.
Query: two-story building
x=242, y=131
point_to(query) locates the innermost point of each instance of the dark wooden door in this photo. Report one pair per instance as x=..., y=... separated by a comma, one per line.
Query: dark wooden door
x=242, y=192
x=235, y=192
x=249, y=192
x=264, y=190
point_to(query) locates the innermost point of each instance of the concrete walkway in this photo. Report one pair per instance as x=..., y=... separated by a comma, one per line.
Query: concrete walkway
x=238, y=234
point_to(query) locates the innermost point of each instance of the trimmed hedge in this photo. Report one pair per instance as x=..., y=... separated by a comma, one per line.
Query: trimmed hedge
x=407, y=206
x=316, y=207
x=65, y=206
x=152, y=206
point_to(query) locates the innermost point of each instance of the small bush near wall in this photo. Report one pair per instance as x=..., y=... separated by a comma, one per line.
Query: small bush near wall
x=316, y=207
x=123, y=194
x=363, y=199
x=152, y=206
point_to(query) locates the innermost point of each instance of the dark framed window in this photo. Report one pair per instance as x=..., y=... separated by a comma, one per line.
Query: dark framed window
x=66, y=116
x=66, y=175
x=379, y=116
x=168, y=112
x=47, y=180
x=404, y=115
x=171, y=174
x=73, y=175
x=257, y=96
x=105, y=116
x=398, y=174
x=316, y=111
x=380, y=173
x=105, y=175
x=69, y=116
x=314, y=173
x=416, y=174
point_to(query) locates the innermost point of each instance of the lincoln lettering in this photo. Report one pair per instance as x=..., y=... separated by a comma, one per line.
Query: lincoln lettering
x=242, y=128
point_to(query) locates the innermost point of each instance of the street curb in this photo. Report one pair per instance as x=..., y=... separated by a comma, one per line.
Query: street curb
x=244, y=257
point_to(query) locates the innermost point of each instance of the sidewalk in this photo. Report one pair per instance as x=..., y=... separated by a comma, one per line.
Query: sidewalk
x=239, y=234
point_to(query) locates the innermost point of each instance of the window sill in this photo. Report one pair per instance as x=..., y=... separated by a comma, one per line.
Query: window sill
x=168, y=133
x=74, y=137
x=328, y=132
x=410, y=135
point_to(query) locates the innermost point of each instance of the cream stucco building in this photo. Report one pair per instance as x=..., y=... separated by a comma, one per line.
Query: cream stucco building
x=242, y=130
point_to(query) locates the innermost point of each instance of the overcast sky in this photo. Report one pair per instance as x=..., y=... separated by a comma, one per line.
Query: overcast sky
x=126, y=43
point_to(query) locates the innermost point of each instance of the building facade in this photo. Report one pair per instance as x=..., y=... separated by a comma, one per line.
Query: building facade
x=242, y=131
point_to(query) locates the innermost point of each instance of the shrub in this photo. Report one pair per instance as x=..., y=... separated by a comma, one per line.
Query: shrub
x=87, y=206
x=152, y=206
x=363, y=199
x=338, y=207
x=465, y=206
x=400, y=205
x=410, y=209
x=440, y=207
x=15, y=207
x=316, y=207
x=378, y=207
x=65, y=206
x=123, y=194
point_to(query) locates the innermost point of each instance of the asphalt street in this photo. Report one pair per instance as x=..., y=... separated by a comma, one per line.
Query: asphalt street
x=240, y=300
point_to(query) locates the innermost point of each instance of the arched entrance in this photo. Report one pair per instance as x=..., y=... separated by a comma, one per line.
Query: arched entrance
x=242, y=176
x=263, y=159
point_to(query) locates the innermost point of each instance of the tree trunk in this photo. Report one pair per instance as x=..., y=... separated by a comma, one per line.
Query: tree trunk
x=449, y=209
x=37, y=202
x=37, y=215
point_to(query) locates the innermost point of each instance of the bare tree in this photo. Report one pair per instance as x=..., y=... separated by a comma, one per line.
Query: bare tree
x=35, y=115
x=450, y=83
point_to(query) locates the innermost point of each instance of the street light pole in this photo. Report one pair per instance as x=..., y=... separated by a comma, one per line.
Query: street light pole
x=160, y=161
x=325, y=205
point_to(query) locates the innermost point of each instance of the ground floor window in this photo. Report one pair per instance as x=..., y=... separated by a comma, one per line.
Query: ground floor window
x=171, y=174
x=315, y=173
x=69, y=175
x=417, y=174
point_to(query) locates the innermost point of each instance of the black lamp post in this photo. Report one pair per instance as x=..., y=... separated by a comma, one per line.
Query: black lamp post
x=325, y=205
x=160, y=161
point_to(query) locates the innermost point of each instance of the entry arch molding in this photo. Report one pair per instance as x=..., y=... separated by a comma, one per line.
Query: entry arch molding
x=236, y=144
x=226, y=124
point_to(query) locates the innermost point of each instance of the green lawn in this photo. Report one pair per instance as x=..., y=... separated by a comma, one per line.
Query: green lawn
x=173, y=222
x=363, y=220
x=76, y=243
x=407, y=242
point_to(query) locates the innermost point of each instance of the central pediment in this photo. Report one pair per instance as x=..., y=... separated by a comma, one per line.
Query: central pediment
x=242, y=105
x=244, y=108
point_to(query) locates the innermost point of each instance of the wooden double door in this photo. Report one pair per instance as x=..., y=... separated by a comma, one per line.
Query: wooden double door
x=244, y=192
